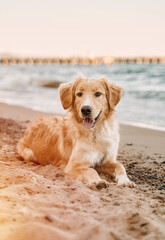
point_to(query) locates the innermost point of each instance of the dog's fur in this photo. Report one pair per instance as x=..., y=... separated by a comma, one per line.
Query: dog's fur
x=81, y=151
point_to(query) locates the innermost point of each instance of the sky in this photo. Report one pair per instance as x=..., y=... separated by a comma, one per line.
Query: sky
x=82, y=27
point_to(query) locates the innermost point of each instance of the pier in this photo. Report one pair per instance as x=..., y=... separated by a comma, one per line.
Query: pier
x=81, y=60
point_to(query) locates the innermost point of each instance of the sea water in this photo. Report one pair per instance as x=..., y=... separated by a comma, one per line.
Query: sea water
x=143, y=100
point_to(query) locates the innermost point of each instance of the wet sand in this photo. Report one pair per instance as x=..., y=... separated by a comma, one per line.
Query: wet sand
x=39, y=202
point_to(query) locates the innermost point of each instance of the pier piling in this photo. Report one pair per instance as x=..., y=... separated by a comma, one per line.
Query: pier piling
x=107, y=60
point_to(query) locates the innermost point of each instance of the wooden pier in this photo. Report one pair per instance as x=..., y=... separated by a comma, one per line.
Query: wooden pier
x=81, y=60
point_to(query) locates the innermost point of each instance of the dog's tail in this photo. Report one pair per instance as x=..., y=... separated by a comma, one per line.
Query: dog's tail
x=26, y=152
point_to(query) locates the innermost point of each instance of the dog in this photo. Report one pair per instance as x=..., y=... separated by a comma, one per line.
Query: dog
x=85, y=142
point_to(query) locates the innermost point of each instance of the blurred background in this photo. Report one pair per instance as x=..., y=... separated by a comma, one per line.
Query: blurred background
x=44, y=43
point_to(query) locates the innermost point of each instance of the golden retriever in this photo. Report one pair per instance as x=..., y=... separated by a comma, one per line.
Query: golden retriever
x=85, y=142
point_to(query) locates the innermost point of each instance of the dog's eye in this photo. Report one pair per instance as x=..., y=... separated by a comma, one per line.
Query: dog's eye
x=97, y=94
x=79, y=94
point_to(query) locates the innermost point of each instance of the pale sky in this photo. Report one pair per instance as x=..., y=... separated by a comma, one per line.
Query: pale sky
x=82, y=27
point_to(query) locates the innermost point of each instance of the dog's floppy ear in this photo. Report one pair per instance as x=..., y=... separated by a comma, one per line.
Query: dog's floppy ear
x=66, y=94
x=114, y=94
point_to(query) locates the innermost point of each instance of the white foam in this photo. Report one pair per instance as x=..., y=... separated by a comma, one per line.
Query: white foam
x=143, y=125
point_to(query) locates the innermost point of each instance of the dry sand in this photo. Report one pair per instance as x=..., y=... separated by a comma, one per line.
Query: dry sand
x=40, y=203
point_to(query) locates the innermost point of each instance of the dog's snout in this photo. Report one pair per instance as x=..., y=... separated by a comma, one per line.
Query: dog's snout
x=86, y=111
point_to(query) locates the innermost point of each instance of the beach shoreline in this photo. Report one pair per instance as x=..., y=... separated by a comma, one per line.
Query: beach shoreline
x=151, y=139
x=39, y=202
x=4, y=105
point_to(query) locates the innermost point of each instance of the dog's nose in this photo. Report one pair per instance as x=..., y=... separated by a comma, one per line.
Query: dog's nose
x=86, y=111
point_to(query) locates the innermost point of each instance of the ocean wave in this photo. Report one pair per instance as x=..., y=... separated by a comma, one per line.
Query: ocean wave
x=147, y=94
x=45, y=83
x=36, y=87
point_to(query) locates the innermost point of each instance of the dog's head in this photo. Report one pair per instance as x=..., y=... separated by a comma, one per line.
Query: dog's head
x=91, y=100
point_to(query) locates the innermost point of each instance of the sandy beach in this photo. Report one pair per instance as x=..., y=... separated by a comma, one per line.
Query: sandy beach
x=39, y=202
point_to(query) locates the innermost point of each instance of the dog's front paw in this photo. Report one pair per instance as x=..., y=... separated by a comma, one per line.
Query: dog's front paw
x=98, y=184
x=125, y=182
